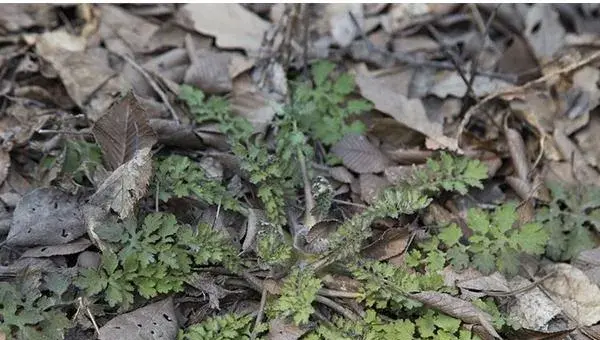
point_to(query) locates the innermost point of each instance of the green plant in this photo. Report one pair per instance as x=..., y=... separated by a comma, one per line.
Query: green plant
x=81, y=159
x=227, y=326
x=30, y=309
x=274, y=246
x=495, y=243
x=179, y=176
x=297, y=295
x=153, y=259
x=387, y=286
x=322, y=108
x=449, y=173
x=568, y=218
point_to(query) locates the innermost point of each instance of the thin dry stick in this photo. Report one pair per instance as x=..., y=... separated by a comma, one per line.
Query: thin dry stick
x=519, y=89
x=153, y=84
x=337, y=307
x=261, y=313
x=484, y=35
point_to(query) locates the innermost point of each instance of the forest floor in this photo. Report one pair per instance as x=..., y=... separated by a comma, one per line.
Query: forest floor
x=296, y=171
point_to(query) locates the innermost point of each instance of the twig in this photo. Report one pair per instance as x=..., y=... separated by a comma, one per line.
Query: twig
x=519, y=89
x=337, y=307
x=484, y=35
x=338, y=293
x=153, y=84
x=425, y=63
x=358, y=205
x=453, y=58
x=261, y=313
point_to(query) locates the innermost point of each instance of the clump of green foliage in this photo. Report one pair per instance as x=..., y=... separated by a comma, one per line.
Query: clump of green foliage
x=297, y=295
x=431, y=325
x=178, y=176
x=273, y=246
x=227, y=326
x=568, y=218
x=28, y=308
x=495, y=243
x=449, y=173
x=323, y=108
x=315, y=113
x=153, y=259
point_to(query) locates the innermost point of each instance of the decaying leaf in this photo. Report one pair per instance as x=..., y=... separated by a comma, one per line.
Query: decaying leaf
x=209, y=72
x=359, y=155
x=155, y=321
x=342, y=27
x=44, y=217
x=122, y=32
x=370, y=186
x=126, y=185
x=538, y=318
x=232, y=25
x=409, y=112
x=255, y=107
x=122, y=131
x=544, y=31
x=82, y=72
x=574, y=293
x=454, y=85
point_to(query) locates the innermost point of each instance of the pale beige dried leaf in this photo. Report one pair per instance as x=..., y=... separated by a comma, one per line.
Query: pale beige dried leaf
x=521, y=187
x=341, y=26
x=577, y=164
x=359, y=155
x=74, y=247
x=126, y=185
x=574, y=293
x=409, y=112
x=457, y=308
x=158, y=321
x=4, y=164
x=544, y=30
x=123, y=130
x=255, y=216
x=281, y=329
x=232, y=25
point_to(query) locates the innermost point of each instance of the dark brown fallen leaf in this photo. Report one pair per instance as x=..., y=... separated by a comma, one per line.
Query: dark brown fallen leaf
x=155, y=321
x=341, y=174
x=359, y=155
x=171, y=133
x=390, y=243
x=122, y=131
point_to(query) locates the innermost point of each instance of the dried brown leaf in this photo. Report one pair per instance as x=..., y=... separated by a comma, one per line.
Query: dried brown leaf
x=391, y=243
x=409, y=112
x=82, y=72
x=171, y=133
x=122, y=131
x=74, y=247
x=232, y=25
x=126, y=185
x=209, y=72
x=359, y=155
x=255, y=107
x=122, y=32
x=341, y=174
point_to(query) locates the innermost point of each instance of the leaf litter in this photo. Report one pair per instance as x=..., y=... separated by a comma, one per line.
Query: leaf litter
x=93, y=106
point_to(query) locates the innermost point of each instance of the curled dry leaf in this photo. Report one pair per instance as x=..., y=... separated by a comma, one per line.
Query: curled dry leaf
x=155, y=321
x=126, y=185
x=171, y=133
x=359, y=155
x=46, y=216
x=122, y=131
